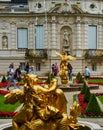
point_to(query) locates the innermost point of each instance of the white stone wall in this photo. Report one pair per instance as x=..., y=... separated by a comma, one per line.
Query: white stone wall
x=76, y=20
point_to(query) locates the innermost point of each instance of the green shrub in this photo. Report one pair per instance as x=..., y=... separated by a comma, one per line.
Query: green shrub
x=93, y=106
x=50, y=76
x=87, y=94
x=83, y=89
x=3, y=79
x=74, y=97
x=79, y=78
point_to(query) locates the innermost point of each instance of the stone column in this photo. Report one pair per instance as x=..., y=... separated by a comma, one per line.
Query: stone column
x=85, y=38
x=78, y=22
x=53, y=32
x=54, y=41
x=13, y=41
x=46, y=35
x=31, y=39
x=99, y=36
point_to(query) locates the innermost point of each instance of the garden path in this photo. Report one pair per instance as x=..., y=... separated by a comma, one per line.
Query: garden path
x=100, y=104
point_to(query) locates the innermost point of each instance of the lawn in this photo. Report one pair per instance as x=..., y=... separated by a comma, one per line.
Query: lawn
x=7, y=107
x=96, y=80
x=101, y=99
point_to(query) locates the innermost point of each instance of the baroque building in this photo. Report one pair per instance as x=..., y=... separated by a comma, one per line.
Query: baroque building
x=32, y=30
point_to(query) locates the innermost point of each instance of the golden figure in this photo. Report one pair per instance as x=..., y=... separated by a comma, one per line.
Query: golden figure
x=44, y=108
x=63, y=66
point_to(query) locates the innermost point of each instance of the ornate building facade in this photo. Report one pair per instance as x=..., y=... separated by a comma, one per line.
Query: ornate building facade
x=33, y=30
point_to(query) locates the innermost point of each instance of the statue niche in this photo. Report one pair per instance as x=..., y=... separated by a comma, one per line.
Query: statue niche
x=66, y=40
x=4, y=42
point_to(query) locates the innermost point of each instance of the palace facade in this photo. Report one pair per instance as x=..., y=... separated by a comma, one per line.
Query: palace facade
x=32, y=30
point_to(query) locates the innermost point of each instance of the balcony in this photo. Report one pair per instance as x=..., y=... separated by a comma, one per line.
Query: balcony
x=93, y=53
x=34, y=54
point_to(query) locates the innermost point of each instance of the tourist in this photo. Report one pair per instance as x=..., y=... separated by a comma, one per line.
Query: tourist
x=11, y=76
x=31, y=70
x=87, y=73
x=17, y=74
x=56, y=69
x=70, y=71
x=53, y=69
x=27, y=68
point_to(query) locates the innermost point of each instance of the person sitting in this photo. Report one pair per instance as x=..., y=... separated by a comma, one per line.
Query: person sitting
x=31, y=70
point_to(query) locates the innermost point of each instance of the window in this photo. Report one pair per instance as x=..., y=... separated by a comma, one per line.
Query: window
x=92, y=37
x=22, y=36
x=22, y=65
x=93, y=67
x=39, y=39
x=38, y=66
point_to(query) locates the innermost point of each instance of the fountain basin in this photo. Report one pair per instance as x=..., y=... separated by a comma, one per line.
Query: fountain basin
x=7, y=126
x=89, y=126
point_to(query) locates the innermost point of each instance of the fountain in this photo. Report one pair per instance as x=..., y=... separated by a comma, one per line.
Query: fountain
x=45, y=107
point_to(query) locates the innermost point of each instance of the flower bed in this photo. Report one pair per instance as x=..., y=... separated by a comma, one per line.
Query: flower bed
x=84, y=105
x=6, y=114
x=96, y=77
x=3, y=92
x=4, y=84
x=99, y=83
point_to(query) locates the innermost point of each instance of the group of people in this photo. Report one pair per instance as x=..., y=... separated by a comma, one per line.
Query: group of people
x=29, y=69
x=55, y=69
x=13, y=75
x=16, y=75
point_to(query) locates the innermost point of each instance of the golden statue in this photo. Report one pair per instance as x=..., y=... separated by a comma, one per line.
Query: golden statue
x=63, y=66
x=44, y=108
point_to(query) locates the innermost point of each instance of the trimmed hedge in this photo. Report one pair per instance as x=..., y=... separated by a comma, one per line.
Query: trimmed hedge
x=93, y=106
x=79, y=78
x=3, y=79
x=83, y=89
x=50, y=76
x=87, y=94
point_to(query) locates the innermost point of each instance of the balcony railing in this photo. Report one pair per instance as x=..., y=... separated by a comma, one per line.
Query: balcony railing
x=93, y=53
x=40, y=53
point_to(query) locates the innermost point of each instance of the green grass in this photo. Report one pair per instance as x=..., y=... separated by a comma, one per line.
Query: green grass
x=95, y=80
x=7, y=107
x=100, y=98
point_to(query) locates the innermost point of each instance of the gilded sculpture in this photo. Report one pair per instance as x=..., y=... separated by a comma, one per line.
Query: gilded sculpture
x=63, y=66
x=44, y=107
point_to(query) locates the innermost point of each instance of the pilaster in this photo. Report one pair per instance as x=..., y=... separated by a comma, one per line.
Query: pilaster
x=46, y=35
x=31, y=39
x=53, y=32
x=78, y=52
x=13, y=44
x=100, y=37
x=78, y=32
x=54, y=41
x=85, y=38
